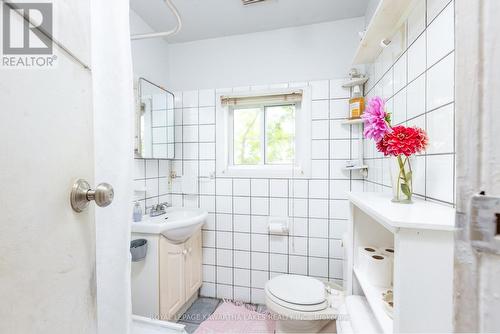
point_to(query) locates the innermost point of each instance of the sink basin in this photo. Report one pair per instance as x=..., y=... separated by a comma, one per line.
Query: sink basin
x=177, y=224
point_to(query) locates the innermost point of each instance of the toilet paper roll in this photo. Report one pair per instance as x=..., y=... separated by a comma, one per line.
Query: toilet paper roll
x=364, y=254
x=278, y=225
x=389, y=253
x=278, y=228
x=379, y=270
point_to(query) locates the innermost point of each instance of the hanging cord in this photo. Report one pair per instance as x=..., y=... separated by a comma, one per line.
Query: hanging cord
x=165, y=33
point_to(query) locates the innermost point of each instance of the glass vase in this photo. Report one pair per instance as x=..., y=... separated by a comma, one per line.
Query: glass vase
x=402, y=179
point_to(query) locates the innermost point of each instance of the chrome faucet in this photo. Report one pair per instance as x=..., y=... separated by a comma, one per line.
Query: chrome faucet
x=159, y=209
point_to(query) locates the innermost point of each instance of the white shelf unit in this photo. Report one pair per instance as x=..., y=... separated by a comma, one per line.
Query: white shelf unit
x=373, y=295
x=360, y=165
x=386, y=21
x=422, y=235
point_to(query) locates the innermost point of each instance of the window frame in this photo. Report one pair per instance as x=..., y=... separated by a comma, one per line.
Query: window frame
x=263, y=135
x=225, y=166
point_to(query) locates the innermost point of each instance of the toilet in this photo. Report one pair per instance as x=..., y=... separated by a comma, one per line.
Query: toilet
x=302, y=304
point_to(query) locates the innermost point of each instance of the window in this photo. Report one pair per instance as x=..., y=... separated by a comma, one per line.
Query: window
x=264, y=135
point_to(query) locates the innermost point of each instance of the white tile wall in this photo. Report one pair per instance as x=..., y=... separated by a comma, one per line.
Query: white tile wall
x=423, y=82
x=151, y=175
x=239, y=254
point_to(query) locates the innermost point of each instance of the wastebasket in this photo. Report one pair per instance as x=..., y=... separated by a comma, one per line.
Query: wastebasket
x=138, y=249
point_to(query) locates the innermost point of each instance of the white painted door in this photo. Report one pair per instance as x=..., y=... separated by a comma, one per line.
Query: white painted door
x=47, y=251
x=477, y=265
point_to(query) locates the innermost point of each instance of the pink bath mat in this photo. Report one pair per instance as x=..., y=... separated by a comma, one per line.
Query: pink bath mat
x=231, y=318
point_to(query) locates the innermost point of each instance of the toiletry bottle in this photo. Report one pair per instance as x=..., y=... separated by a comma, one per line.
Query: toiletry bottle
x=356, y=103
x=137, y=215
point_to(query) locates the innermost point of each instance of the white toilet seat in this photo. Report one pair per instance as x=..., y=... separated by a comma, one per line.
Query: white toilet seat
x=298, y=297
x=297, y=307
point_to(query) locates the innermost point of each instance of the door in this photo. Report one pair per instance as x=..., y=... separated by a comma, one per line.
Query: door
x=172, y=286
x=47, y=260
x=193, y=264
x=477, y=250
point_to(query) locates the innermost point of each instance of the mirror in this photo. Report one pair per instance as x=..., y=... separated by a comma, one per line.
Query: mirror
x=154, y=128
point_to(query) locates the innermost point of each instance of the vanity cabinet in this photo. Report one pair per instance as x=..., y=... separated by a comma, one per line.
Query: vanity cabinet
x=180, y=275
x=193, y=264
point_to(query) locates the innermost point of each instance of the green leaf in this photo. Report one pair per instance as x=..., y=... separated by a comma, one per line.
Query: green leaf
x=408, y=176
x=388, y=118
x=406, y=190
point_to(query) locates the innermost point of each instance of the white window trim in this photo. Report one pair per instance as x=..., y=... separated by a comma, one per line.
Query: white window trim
x=302, y=166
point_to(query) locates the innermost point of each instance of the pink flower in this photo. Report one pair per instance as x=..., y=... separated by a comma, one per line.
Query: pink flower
x=376, y=119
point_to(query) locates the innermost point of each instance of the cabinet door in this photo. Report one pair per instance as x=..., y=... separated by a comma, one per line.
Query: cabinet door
x=193, y=264
x=172, y=287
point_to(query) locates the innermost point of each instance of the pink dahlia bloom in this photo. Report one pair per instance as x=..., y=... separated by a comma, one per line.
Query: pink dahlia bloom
x=375, y=118
x=403, y=141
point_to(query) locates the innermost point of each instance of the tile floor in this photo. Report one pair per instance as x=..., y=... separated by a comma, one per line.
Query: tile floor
x=201, y=310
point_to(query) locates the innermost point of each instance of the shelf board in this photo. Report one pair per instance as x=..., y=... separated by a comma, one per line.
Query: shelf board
x=354, y=82
x=356, y=167
x=353, y=121
x=388, y=17
x=373, y=295
x=421, y=214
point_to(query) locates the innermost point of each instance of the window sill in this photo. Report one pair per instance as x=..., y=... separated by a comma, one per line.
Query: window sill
x=263, y=172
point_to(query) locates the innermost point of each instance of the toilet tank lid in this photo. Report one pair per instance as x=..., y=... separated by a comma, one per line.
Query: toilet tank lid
x=296, y=289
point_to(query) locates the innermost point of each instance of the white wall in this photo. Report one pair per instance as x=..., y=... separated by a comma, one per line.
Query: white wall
x=304, y=53
x=113, y=124
x=417, y=81
x=151, y=61
x=150, y=55
x=370, y=10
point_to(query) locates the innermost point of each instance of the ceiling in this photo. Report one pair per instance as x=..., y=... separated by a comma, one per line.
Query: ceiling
x=204, y=19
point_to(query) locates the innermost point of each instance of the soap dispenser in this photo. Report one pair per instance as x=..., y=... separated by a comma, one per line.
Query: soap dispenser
x=356, y=103
x=137, y=215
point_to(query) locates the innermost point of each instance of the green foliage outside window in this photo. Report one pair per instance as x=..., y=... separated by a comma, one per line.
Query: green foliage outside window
x=276, y=123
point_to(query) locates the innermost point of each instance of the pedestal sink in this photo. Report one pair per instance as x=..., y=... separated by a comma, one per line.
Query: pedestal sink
x=177, y=224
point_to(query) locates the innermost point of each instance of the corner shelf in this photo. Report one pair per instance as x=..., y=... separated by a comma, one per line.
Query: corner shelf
x=356, y=167
x=388, y=16
x=355, y=82
x=363, y=169
x=361, y=166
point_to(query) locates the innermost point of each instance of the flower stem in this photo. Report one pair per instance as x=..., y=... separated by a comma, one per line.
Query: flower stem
x=406, y=178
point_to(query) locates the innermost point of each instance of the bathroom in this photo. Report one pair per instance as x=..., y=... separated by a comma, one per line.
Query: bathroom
x=256, y=166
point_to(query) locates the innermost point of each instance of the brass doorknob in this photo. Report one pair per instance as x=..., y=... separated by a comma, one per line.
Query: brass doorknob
x=82, y=194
